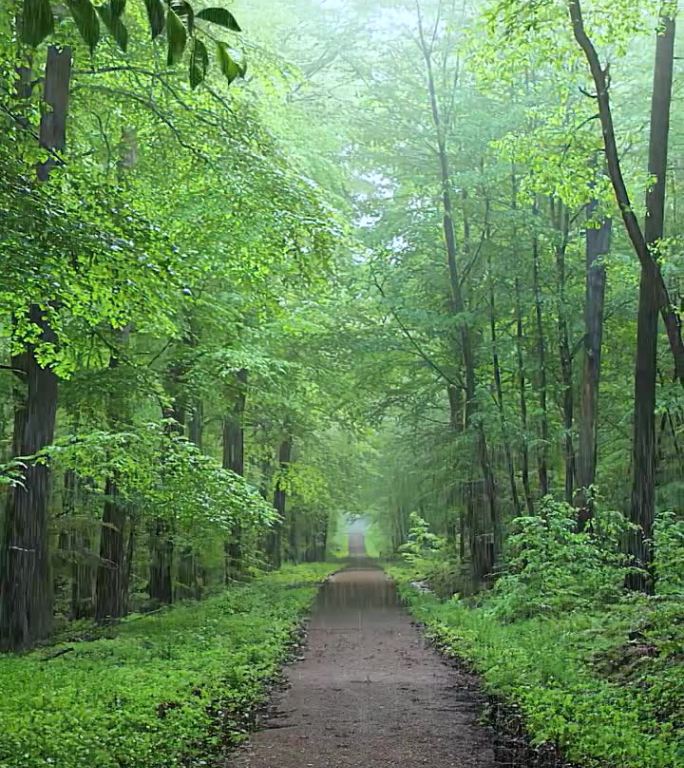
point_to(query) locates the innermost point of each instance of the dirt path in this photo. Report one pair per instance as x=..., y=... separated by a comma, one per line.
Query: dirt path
x=369, y=692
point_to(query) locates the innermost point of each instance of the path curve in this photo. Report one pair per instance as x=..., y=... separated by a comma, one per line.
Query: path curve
x=369, y=692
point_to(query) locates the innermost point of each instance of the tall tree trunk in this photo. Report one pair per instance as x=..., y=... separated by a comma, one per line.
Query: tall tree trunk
x=275, y=547
x=597, y=246
x=542, y=453
x=234, y=459
x=82, y=572
x=111, y=586
x=642, y=242
x=499, y=392
x=642, y=509
x=522, y=388
x=561, y=219
x=161, y=530
x=25, y=587
x=161, y=560
x=189, y=583
x=483, y=534
x=196, y=423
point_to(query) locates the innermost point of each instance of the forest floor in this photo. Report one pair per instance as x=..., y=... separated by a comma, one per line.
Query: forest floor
x=369, y=691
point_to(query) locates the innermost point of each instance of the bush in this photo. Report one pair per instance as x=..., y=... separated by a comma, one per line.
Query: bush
x=551, y=568
x=544, y=668
x=669, y=548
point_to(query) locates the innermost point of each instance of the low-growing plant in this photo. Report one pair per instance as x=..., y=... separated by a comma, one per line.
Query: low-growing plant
x=551, y=567
x=421, y=544
x=542, y=667
x=160, y=691
x=669, y=547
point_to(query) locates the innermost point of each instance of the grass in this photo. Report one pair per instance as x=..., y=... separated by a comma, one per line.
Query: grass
x=163, y=690
x=608, y=695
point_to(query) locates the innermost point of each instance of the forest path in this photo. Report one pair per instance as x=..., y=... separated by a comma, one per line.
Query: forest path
x=369, y=691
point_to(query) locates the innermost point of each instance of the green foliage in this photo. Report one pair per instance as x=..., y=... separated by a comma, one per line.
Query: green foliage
x=166, y=477
x=38, y=23
x=553, y=569
x=155, y=691
x=421, y=544
x=546, y=669
x=669, y=545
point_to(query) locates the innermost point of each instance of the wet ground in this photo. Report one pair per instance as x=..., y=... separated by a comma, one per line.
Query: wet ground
x=369, y=691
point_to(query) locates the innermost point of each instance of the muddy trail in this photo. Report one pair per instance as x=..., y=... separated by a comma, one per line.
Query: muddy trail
x=369, y=691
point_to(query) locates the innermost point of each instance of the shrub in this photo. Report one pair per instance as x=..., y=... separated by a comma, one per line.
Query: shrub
x=552, y=568
x=669, y=548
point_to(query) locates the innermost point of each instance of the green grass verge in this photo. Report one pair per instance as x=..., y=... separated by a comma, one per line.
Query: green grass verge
x=558, y=672
x=164, y=690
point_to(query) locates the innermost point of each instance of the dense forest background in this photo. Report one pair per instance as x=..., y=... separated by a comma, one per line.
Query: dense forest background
x=420, y=261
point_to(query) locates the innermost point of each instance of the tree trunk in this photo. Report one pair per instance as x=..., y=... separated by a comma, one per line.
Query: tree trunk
x=56, y=98
x=499, y=393
x=161, y=530
x=597, y=246
x=542, y=453
x=161, y=561
x=25, y=585
x=660, y=115
x=111, y=587
x=196, y=423
x=481, y=565
x=280, y=503
x=234, y=459
x=561, y=221
x=111, y=584
x=82, y=573
x=642, y=509
x=522, y=388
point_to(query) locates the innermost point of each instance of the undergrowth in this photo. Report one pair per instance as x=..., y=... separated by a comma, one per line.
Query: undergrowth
x=592, y=670
x=164, y=690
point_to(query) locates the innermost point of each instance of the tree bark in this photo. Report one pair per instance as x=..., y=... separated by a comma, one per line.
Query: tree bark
x=500, y=395
x=561, y=220
x=111, y=587
x=161, y=561
x=25, y=584
x=542, y=453
x=662, y=94
x=642, y=509
x=234, y=459
x=483, y=559
x=522, y=389
x=275, y=547
x=597, y=246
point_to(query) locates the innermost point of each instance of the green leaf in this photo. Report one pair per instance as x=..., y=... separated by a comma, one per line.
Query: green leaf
x=177, y=36
x=37, y=21
x=86, y=20
x=221, y=16
x=156, y=16
x=199, y=61
x=184, y=11
x=230, y=68
x=115, y=26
